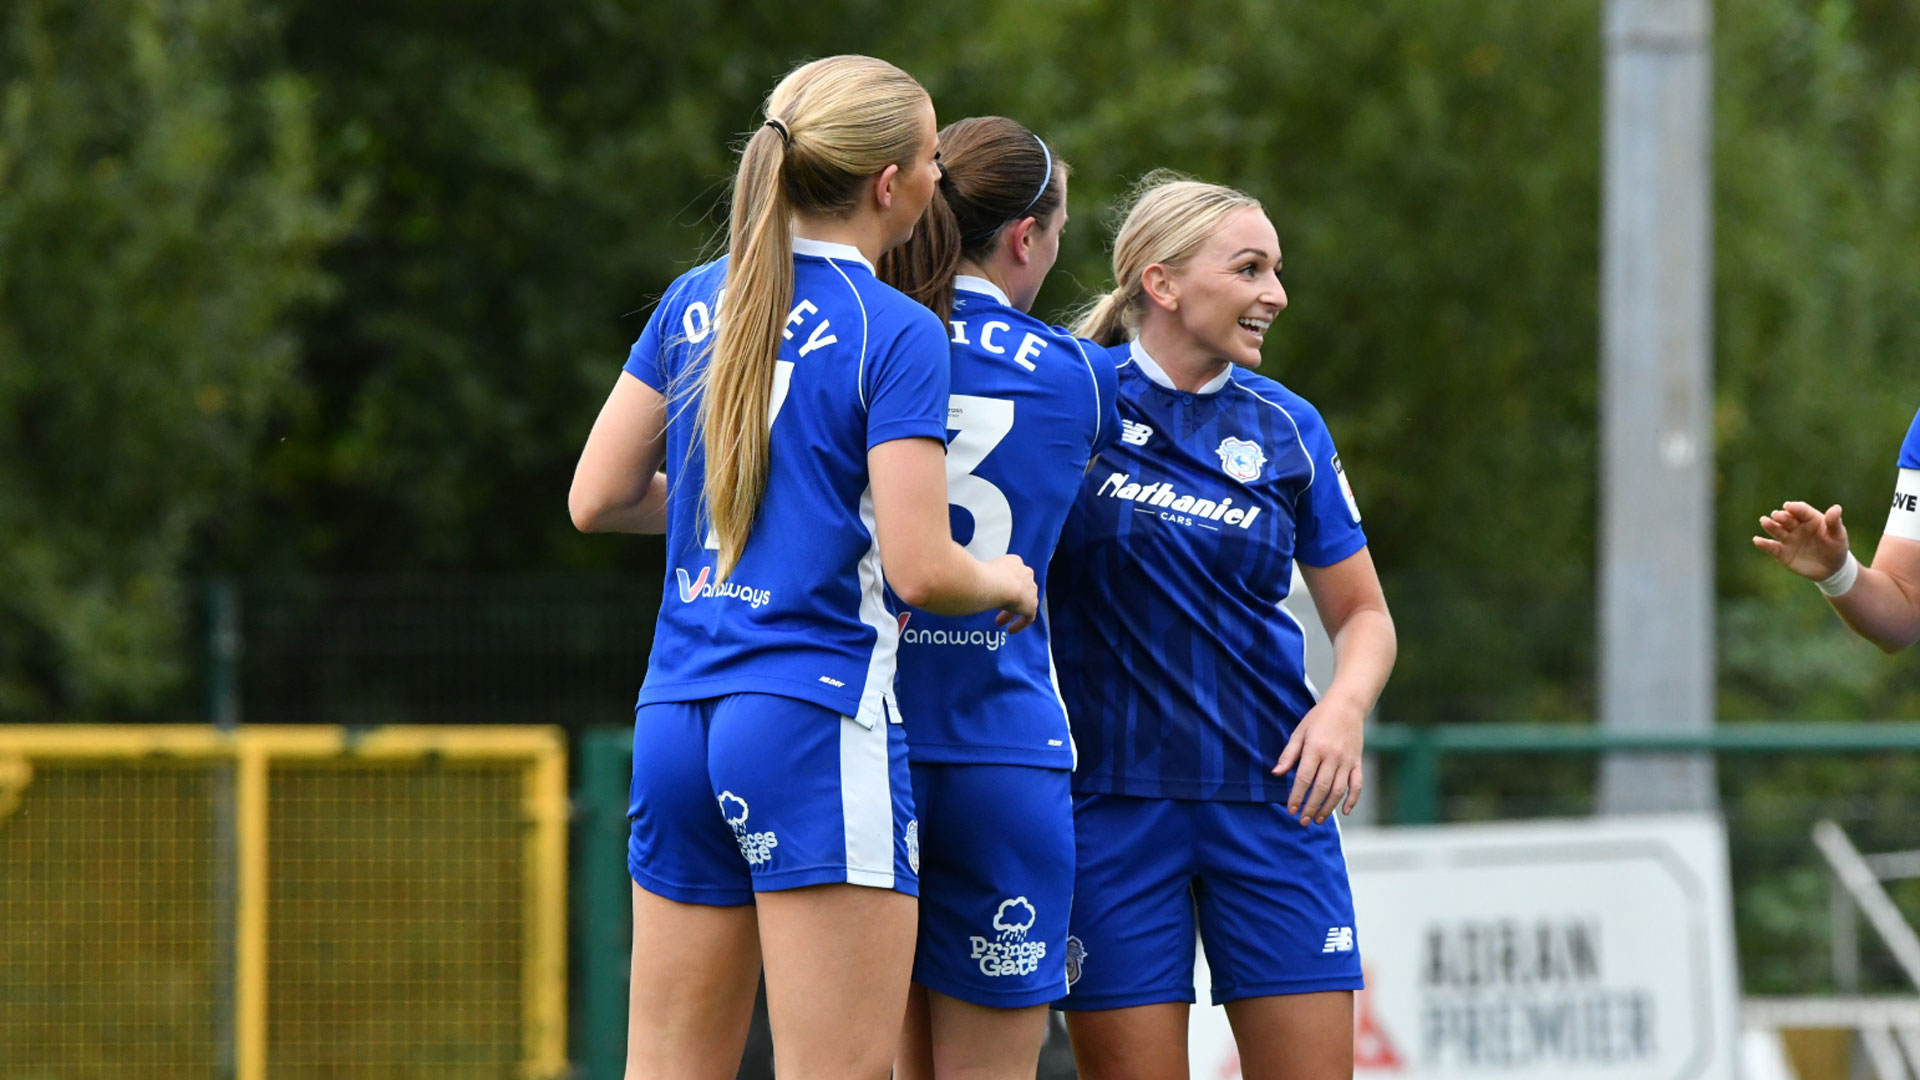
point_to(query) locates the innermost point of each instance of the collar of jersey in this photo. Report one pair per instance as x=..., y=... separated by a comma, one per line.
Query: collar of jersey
x=1159, y=377
x=981, y=285
x=827, y=250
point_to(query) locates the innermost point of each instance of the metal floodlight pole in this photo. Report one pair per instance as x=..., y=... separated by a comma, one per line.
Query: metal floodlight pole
x=1656, y=387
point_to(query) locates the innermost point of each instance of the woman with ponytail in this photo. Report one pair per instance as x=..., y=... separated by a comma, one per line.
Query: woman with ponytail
x=1209, y=765
x=799, y=408
x=991, y=758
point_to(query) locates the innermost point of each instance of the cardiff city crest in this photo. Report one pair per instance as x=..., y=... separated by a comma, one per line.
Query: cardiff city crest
x=1241, y=459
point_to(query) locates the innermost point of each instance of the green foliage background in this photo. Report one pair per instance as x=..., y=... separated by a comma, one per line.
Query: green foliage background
x=303, y=288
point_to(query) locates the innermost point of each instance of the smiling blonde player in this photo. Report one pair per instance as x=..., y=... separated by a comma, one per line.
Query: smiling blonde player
x=1209, y=764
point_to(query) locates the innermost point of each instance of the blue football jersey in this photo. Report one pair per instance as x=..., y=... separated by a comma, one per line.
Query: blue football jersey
x=1031, y=406
x=1182, y=673
x=804, y=613
x=1910, y=450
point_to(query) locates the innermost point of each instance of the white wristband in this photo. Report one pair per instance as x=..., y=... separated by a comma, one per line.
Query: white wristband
x=1843, y=578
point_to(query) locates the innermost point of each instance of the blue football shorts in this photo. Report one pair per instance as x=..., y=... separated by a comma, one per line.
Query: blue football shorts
x=996, y=873
x=1270, y=897
x=755, y=793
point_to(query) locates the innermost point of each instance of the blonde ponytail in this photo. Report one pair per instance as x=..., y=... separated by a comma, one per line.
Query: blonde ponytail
x=1105, y=322
x=739, y=381
x=831, y=125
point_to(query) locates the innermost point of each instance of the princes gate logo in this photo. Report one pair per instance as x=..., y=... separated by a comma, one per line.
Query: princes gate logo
x=1009, y=952
x=692, y=589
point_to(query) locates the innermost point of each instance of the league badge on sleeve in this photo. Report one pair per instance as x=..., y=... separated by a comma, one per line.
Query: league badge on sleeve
x=1346, y=490
x=1241, y=459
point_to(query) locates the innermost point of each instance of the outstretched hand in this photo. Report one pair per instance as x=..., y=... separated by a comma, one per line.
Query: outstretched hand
x=1804, y=540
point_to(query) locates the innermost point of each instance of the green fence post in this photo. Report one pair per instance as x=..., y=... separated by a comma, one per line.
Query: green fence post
x=603, y=901
x=1417, y=795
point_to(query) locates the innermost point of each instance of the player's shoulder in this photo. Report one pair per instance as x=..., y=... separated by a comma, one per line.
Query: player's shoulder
x=884, y=313
x=1258, y=390
x=700, y=283
x=893, y=313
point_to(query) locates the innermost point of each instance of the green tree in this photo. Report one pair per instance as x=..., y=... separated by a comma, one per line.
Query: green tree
x=158, y=216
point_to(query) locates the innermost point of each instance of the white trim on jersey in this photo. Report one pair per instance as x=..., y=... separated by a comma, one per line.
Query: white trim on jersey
x=1305, y=678
x=827, y=249
x=1053, y=680
x=866, y=803
x=860, y=372
x=1099, y=407
x=1154, y=371
x=1904, y=519
x=981, y=285
x=876, y=696
x=1298, y=439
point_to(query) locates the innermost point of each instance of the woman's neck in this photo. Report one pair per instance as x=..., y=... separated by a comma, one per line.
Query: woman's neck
x=1184, y=360
x=999, y=277
x=858, y=231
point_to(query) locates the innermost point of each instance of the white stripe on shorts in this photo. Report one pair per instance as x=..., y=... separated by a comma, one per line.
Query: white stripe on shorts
x=866, y=803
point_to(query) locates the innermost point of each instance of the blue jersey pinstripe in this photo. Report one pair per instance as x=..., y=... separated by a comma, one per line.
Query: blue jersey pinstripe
x=1182, y=674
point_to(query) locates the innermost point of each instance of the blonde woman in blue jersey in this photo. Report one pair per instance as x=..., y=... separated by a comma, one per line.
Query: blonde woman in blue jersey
x=1209, y=765
x=987, y=736
x=802, y=417
x=1882, y=602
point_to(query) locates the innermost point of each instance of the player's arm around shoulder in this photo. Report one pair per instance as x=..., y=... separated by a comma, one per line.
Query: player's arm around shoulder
x=907, y=406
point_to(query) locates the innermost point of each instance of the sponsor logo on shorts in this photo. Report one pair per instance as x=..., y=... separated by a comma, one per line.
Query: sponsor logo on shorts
x=1009, y=952
x=692, y=589
x=1339, y=939
x=913, y=844
x=1076, y=955
x=755, y=847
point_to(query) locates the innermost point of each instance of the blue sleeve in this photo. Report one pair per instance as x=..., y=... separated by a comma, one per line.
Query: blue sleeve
x=907, y=380
x=1910, y=450
x=1106, y=380
x=1327, y=521
x=644, y=361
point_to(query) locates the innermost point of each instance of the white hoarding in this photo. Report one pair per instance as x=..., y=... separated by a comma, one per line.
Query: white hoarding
x=1572, y=950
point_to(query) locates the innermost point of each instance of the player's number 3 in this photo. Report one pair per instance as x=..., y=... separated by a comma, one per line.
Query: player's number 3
x=979, y=424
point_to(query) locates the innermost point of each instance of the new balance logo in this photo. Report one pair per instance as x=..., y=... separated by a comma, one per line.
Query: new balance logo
x=1134, y=434
x=1339, y=939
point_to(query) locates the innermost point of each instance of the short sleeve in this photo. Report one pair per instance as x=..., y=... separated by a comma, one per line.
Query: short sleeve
x=1327, y=521
x=1106, y=385
x=1910, y=450
x=644, y=360
x=907, y=381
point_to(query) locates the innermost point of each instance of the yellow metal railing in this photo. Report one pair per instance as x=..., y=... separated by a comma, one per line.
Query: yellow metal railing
x=293, y=901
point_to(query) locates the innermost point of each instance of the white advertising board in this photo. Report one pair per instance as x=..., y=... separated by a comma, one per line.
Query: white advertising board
x=1597, y=949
